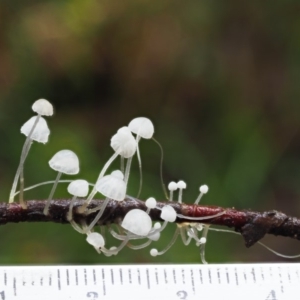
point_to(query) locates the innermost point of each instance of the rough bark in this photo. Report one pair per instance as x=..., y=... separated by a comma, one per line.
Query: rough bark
x=251, y=224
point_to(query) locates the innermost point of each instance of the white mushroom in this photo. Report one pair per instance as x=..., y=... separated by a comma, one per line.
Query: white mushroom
x=138, y=225
x=172, y=187
x=77, y=188
x=96, y=240
x=203, y=190
x=137, y=222
x=143, y=128
x=64, y=161
x=181, y=185
x=150, y=203
x=35, y=129
x=43, y=107
x=168, y=214
x=112, y=187
x=124, y=145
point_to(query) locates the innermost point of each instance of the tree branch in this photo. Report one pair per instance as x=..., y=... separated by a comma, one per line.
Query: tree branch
x=252, y=225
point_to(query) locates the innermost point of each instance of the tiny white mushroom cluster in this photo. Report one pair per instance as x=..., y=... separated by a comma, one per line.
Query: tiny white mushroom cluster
x=137, y=223
x=35, y=129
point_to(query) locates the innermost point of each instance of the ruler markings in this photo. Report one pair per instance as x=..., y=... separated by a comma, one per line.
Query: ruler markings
x=68, y=279
x=112, y=276
x=129, y=276
x=269, y=282
x=236, y=277
x=192, y=280
x=15, y=286
x=103, y=283
x=58, y=279
x=219, y=277
x=289, y=276
x=76, y=276
x=94, y=277
x=245, y=277
x=166, y=276
x=209, y=275
x=85, y=277
x=227, y=276
x=183, y=276
x=281, y=282
x=174, y=276
x=148, y=279
x=121, y=276
x=253, y=274
x=262, y=274
x=139, y=277
x=200, y=273
x=156, y=276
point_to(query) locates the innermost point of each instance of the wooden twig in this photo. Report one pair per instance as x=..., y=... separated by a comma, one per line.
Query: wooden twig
x=252, y=225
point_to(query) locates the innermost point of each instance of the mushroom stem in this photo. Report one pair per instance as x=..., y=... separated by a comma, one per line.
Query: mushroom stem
x=137, y=247
x=174, y=238
x=100, y=213
x=202, y=218
x=21, y=198
x=202, y=245
x=44, y=183
x=122, y=167
x=107, y=164
x=161, y=167
x=46, y=209
x=70, y=212
x=122, y=245
x=127, y=170
x=24, y=153
x=82, y=208
x=128, y=165
x=140, y=169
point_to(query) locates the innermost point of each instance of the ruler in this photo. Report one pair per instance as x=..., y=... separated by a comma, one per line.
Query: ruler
x=220, y=281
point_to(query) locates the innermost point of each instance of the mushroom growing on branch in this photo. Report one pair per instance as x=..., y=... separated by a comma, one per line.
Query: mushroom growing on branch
x=64, y=161
x=143, y=128
x=35, y=129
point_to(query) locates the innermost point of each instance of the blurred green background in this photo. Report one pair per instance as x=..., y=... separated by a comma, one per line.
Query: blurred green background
x=219, y=79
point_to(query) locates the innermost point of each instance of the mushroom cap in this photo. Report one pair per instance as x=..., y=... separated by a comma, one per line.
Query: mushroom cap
x=151, y=203
x=203, y=189
x=112, y=186
x=172, y=186
x=138, y=222
x=41, y=131
x=123, y=142
x=181, y=184
x=153, y=252
x=65, y=161
x=43, y=107
x=168, y=213
x=95, y=239
x=154, y=236
x=142, y=126
x=79, y=188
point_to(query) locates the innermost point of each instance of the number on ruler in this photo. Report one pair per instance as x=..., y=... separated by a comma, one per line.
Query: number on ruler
x=2, y=294
x=271, y=296
x=92, y=295
x=182, y=294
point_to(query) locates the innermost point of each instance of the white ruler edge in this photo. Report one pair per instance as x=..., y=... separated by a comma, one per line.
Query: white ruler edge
x=165, y=281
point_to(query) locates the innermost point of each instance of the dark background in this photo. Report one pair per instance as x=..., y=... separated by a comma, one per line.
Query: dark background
x=219, y=80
